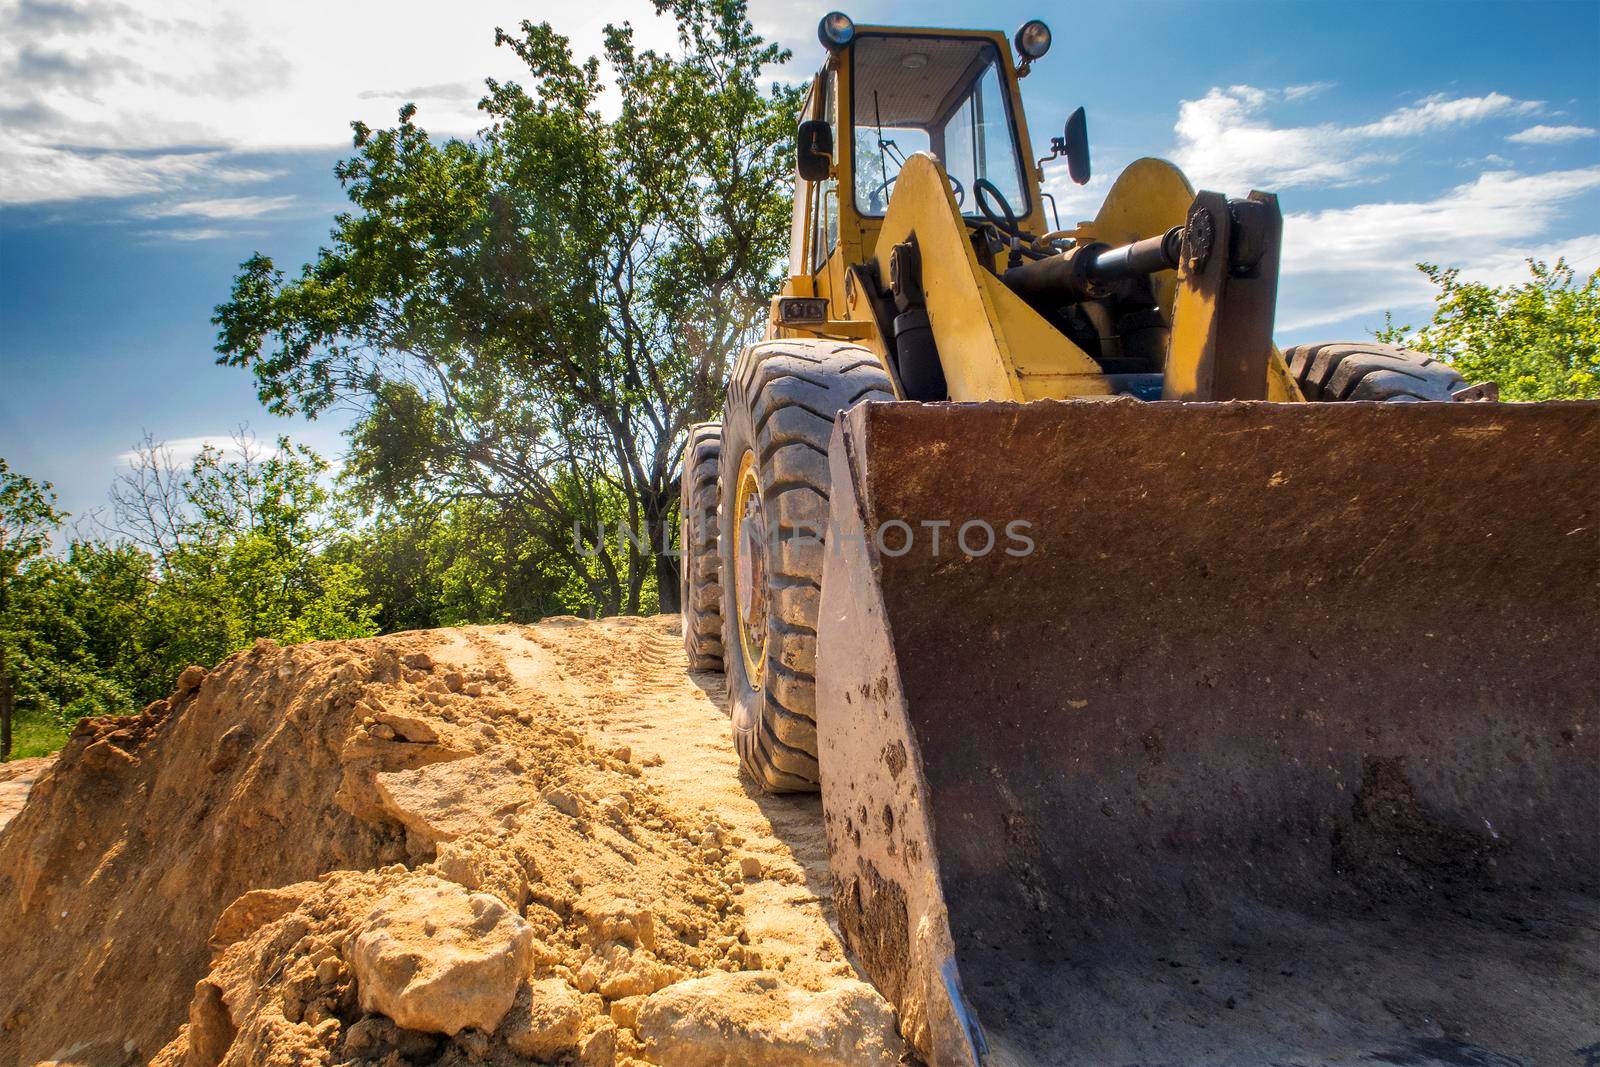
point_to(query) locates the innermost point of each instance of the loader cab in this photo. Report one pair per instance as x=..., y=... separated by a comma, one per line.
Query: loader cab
x=887, y=93
x=946, y=96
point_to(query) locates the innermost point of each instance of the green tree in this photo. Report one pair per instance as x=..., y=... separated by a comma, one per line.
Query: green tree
x=1540, y=339
x=106, y=588
x=532, y=318
x=56, y=677
x=236, y=543
x=460, y=564
x=199, y=561
x=28, y=517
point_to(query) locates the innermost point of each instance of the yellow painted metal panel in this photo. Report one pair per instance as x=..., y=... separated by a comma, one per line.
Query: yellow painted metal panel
x=1036, y=347
x=1194, y=322
x=1281, y=386
x=1150, y=196
x=977, y=364
x=1065, y=386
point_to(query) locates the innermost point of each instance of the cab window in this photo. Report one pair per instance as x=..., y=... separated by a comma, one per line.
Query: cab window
x=825, y=197
x=800, y=219
x=930, y=94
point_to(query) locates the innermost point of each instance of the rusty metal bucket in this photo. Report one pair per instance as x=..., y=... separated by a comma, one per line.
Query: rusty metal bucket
x=1279, y=744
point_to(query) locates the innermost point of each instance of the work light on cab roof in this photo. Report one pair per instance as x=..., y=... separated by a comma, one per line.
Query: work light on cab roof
x=1032, y=41
x=836, y=30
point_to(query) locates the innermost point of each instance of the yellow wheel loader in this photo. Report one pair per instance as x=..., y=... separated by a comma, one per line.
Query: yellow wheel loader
x=1173, y=699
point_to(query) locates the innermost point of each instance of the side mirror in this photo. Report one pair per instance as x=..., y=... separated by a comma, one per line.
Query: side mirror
x=814, y=150
x=1075, y=144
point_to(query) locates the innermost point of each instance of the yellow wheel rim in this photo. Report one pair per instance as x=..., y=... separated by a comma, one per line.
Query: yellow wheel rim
x=749, y=571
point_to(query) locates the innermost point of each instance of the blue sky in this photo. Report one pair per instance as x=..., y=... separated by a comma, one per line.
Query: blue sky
x=146, y=148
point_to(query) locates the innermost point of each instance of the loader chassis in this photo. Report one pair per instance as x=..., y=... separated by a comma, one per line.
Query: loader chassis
x=1281, y=741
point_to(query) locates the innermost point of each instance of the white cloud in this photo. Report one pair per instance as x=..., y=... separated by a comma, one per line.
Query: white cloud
x=1347, y=262
x=1551, y=134
x=100, y=98
x=34, y=173
x=238, y=207
x=190, y=233
x=1438, y=112
x=1582, y=254
x=1302, y=92
x=1497, y=206
x=1075, y=203
x=183, y=450
x=1225, y=140
x=454, y=92
x=323, y=437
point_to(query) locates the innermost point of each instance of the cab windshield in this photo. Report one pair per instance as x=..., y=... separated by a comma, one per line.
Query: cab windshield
x=932, y=94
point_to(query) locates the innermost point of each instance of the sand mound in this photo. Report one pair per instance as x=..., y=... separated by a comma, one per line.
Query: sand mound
x=496, y=845
x=16, y=781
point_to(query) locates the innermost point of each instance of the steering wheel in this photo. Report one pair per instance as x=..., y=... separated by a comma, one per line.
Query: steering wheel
x=1006, y=219
x=875, y=194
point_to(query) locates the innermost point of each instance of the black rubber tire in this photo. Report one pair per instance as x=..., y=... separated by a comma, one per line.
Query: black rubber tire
x=1359, y=370
x=699, y=567
x=782, y=401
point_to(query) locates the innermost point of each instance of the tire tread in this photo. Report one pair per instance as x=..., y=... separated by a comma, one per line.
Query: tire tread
x=1340, y=371
x=785, y=396
x=702, y=566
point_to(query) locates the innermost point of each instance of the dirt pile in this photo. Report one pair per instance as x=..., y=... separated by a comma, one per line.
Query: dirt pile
x=491, y=845
x=16, y=781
